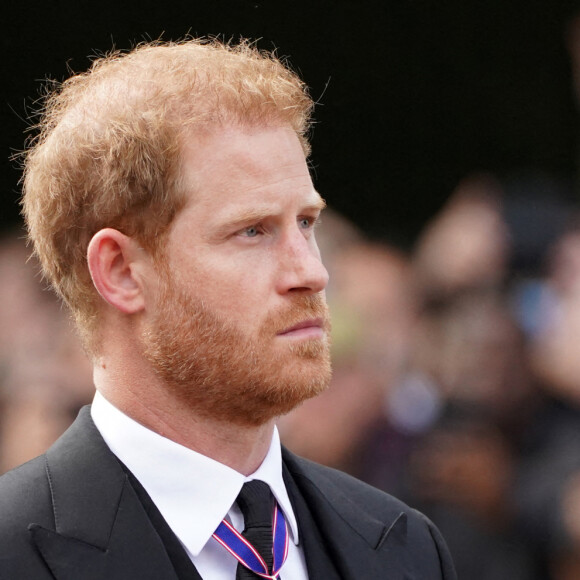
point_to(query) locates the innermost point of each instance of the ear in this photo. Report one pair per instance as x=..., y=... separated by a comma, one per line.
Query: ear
x=115, y=261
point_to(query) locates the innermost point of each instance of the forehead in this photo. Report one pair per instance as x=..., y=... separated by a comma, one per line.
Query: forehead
x=240, y=166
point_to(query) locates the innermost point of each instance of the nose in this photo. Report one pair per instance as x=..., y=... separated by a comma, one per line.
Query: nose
x=301, y=269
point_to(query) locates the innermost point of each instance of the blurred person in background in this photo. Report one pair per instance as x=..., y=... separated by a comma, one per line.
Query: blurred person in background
x=45, y=377
x=467, y=367
x=547, y=490
x=546, y=494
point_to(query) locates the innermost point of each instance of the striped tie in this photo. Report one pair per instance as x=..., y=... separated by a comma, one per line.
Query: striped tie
x=262, y=548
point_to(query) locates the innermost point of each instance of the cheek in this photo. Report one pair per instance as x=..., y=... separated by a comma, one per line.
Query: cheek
x=243, y=297
x=239, y=287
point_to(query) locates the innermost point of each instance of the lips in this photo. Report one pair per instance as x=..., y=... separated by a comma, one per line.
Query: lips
x=314, y=324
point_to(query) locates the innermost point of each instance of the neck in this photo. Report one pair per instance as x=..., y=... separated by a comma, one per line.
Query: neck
x=241, y=447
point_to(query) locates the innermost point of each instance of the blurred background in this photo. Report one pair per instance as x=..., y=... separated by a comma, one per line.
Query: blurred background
x=446, y=144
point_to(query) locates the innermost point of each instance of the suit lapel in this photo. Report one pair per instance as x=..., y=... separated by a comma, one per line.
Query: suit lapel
x=361, y=546
x=319, y=562
x=101, y=529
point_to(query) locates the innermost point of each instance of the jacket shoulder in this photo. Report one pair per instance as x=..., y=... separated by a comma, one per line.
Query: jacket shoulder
x=363, y=507
x=24, y=499
x=25, y=495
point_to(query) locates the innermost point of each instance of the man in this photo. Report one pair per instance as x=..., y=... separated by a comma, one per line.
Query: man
x=170, y=203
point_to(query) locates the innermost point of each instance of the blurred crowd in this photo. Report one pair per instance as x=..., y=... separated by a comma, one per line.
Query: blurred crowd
x=456, y=379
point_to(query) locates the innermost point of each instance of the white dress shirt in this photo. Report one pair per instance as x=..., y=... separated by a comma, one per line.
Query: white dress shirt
x=193, y=492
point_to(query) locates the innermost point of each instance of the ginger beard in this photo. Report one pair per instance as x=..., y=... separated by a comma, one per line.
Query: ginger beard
x=221, y=371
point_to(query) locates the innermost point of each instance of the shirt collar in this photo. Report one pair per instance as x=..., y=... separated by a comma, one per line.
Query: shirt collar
x=193, y=492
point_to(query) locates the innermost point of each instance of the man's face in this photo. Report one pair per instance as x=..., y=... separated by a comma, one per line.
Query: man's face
x=240, y=327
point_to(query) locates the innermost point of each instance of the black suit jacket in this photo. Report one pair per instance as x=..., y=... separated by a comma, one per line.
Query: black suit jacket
x=72, y=514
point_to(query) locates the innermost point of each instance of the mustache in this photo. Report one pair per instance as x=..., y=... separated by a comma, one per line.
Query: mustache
x=303, y=307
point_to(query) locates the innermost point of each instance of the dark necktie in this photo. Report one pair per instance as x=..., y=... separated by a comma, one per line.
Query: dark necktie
x=257, y=505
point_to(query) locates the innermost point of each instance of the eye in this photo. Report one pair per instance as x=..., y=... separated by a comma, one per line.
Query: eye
x=256, y=230
x=308, y=222
x=250, y=232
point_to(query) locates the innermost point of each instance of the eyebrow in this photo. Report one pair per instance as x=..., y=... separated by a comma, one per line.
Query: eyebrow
x=258, y=214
